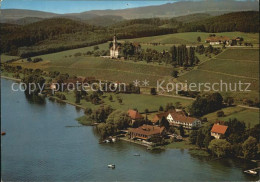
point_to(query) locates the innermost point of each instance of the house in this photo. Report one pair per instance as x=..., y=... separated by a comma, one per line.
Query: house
x=134, y=115
x=215, y=40
x=158, y=117
x=146, y=131
x=178, y=119
x=115, y=48
x=218, y=130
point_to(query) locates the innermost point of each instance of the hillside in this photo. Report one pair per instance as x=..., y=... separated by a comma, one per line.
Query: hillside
x=166, y=10
x=58, y=34
x=239, y=21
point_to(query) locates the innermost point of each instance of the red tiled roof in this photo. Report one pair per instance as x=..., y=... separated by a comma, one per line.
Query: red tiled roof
x=182, y=118
x=217, y=128
x=134, y=114
x=159, y=116
x=147, y=130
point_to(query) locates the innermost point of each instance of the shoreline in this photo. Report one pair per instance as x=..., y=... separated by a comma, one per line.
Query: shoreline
x=11, y=78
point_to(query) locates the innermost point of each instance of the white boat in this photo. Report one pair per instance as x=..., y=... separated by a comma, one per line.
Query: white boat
x=111, y=165
x=251, y=172
x=136, y=154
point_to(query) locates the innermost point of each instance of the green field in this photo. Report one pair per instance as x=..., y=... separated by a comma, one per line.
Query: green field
x=5, y=57
x=191, y=38
x=131, y=101
x=247, y=115
x=231, y=66
x=244, y=54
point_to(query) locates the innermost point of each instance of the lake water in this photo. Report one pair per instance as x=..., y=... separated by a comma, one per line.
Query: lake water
x=39, y=146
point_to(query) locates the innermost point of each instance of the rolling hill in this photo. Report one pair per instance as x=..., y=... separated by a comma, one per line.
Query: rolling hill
x=164, y=11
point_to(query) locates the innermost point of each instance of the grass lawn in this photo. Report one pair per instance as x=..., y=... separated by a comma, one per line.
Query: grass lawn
x=240, y=54
x=247, y=115
x=131, y=101
x=232, y=67
x=5, y=58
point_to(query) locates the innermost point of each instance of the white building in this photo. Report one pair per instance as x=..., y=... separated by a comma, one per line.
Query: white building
x=178, y=119
x=114, y=50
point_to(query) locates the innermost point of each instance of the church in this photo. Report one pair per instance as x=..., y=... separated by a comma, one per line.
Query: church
x=115, y=48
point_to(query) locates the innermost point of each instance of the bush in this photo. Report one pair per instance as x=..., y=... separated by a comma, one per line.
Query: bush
x=220, y=114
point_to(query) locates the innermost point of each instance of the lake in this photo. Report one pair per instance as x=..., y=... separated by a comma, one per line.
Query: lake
x=44, y=142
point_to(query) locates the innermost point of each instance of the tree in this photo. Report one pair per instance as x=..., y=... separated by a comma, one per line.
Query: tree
x=220, y=114
x=182, y=132
x=110, y=98
x=198, y=39
x=175, y=73
x=161, y=108
x=77, y=96
x=193, y=136
x=95, y=48
x=219, y=147
x=119, y=119
x=153, y=91
x=164, y=122
x=200, y=139
x=249, y=148
x=236, y=131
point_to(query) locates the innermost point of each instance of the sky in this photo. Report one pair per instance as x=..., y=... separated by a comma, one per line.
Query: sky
x=75, y=6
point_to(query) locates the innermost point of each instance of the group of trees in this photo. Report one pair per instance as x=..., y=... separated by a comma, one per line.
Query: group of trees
x=183, y=56
x=206, y=104
x=208, y=50
x=239, y=21
x=116, y=120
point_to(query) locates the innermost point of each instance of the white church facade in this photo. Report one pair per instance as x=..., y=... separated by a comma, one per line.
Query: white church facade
x=114, y=50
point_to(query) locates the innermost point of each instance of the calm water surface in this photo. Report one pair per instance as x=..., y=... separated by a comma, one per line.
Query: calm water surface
x=39, y=146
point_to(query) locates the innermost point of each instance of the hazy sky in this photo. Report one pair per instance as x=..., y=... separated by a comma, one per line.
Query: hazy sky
x=74, y=6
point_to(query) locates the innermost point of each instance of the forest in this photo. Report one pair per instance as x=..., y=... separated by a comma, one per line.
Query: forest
x=58, y=34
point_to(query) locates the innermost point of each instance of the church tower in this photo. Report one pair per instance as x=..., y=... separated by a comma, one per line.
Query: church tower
x=114, y=50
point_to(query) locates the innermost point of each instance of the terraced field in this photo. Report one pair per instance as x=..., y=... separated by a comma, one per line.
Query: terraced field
x=231, y=66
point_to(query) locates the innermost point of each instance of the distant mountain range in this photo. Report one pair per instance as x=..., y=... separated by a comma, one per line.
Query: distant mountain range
x=108, y=17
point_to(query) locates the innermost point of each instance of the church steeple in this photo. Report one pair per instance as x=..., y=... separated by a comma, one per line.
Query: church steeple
x=114, y=41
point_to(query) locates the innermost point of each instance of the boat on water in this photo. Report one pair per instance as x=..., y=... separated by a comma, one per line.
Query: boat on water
x=3, y=133
x=111, y=166
x=137, y=155
x=251, y=172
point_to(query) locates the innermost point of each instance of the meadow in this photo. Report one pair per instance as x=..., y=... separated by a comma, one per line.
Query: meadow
x=131, y=101
x=232, y=65
x=249, y=116
x=190, y=38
